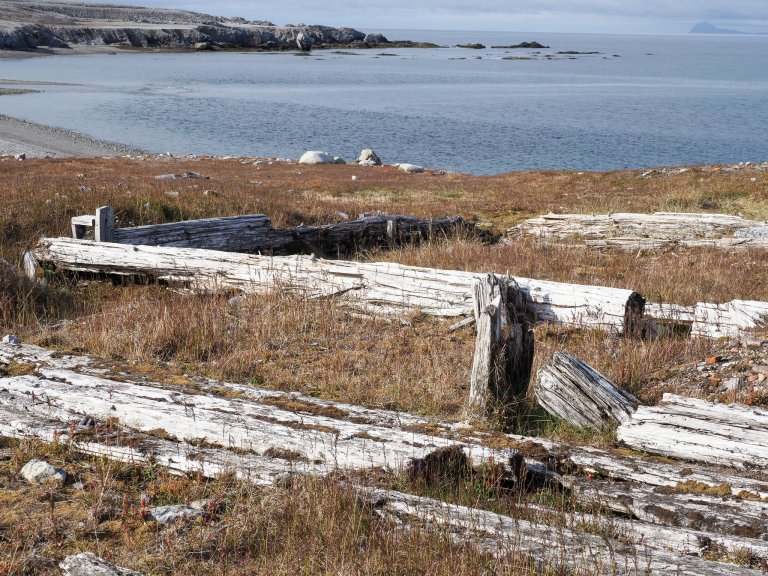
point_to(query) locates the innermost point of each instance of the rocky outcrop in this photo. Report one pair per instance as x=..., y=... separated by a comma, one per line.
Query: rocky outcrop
x=31, y=25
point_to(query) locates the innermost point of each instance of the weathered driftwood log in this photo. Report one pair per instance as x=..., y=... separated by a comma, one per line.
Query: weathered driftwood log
x=554, y=548
x=254, y=234
x=628, y=230
x=382, y=287
x=577, y=393
x=699, y=511
x=692, y=429
x=504, y=347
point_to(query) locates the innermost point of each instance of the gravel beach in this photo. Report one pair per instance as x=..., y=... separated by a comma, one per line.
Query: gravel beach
x=38, y=141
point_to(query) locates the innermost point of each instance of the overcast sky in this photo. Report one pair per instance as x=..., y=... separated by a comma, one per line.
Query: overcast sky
x=621, y=16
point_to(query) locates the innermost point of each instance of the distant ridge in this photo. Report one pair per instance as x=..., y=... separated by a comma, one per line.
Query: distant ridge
x=707, y=28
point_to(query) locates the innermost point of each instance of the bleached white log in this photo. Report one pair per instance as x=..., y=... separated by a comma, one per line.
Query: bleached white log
x=504, y=346
x=631, y=229
x=381, y=285
x=577, y=393
x=589, y=459
x=701, y=512
x=729, y=319
x=554, y=548
x=692, y=429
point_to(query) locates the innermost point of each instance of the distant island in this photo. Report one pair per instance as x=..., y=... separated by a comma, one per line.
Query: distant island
x=50, y=26
x=707, y=28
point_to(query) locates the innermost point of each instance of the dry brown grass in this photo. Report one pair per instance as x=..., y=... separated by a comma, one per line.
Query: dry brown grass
x=319, y=348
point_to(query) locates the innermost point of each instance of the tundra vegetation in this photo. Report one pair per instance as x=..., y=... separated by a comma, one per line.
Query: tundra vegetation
x=321, y=349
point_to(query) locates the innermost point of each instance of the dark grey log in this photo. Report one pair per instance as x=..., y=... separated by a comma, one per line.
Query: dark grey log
x=254, y=233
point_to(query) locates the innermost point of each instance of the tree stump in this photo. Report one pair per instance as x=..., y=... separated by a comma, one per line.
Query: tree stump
x=504, y=347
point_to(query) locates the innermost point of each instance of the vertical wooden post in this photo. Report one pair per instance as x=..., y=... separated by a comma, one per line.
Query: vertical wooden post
x=104, y=225
x=504, y=347
x=633, y=316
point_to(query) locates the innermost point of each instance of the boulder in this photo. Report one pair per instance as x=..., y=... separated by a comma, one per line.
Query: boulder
x=411, y=168
x=304, y=41
x=369, y=158
x=472, y=46
x=316, y=157
x=339, y=160
x=374, y=39
x=88, y=564
x=37, y=471
x=11, y=339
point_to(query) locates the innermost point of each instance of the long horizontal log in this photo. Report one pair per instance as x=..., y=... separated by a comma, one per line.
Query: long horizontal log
x=555, y=548
x=588, y=459
x=380, y=286
x=692, y=429
x=702, y=512
x=630, y=230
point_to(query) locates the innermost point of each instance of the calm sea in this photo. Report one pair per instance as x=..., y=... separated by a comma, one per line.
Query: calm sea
x=641, y=101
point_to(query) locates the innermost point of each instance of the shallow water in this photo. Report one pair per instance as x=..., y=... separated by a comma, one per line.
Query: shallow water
x=643, y=101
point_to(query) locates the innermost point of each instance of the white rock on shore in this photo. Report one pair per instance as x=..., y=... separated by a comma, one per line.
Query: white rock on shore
x=316, y=157
x=410, y=168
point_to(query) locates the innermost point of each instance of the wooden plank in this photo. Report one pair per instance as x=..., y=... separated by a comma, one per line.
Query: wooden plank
x=692, y=429
x=385, y=286
x=504, y=347
x=575, y=392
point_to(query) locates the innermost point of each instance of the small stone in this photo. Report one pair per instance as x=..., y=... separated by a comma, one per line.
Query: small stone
x=354, y=178
x=11, y=339
x=181, y=512
x=168, y=177
x=339, y=160
x=713, y=359
x=21, y=156
x=732, y=385
x=37, y=471
x=752, y=378
x=88, y=564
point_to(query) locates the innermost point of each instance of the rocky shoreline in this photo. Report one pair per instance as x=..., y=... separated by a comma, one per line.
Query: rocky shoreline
x=23, y=139
x=56, y=26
